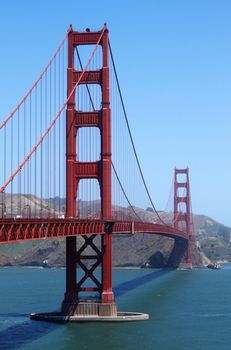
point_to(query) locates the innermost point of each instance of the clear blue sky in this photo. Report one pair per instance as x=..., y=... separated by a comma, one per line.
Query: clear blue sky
x=174, y=63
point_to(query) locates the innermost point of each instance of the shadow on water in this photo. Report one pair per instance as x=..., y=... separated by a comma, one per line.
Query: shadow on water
x=20, y=334
x=125, y=287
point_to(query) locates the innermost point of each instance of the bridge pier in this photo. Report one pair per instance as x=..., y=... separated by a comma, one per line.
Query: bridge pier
x=75, y=309
x=79, y=258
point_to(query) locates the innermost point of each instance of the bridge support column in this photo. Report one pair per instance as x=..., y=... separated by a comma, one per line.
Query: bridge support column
x=70, y=295
x=77, y=283
x=80, y=257
x=76, y=171
x=182, y=218
x=90, y=254
x=108, y=305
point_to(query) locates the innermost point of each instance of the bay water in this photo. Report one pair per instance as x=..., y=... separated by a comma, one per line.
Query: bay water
x=187, y=309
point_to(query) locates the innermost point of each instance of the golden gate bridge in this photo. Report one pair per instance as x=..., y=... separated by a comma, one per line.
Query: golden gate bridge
x=69, y=137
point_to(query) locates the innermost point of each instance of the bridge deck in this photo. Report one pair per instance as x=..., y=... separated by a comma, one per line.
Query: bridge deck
x=14, y=230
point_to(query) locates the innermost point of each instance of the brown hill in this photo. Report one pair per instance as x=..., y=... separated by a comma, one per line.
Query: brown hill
x=128, y=250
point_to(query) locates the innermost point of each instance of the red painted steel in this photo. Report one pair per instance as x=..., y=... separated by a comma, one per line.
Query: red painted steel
x=100, y=170
x=19, y=230
x=86, y=38
x=83, y=260
x=183, y=217
x=90, y=77
x=87, y=119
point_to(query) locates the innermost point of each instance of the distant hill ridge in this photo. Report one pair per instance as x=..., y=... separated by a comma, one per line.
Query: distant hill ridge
x=212, y=239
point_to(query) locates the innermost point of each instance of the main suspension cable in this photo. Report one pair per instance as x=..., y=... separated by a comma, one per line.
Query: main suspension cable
x=2, y=189
x=131, y=137
x=36, y=82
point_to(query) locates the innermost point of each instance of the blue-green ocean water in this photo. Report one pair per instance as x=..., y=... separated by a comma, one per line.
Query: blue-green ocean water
x=188, y=310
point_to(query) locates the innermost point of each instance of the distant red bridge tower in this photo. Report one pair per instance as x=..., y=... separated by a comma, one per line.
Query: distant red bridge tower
x=182, y=218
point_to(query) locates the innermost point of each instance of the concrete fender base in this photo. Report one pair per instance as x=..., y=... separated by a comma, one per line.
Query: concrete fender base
x=58, y=317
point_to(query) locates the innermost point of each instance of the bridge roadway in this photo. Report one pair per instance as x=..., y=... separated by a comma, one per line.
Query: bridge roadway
x=16, y=230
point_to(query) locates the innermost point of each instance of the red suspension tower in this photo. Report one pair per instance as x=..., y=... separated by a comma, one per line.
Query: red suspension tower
x=182, y=218
x=100, y=170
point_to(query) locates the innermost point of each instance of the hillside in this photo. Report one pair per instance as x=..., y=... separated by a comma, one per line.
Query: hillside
x=212, y=240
